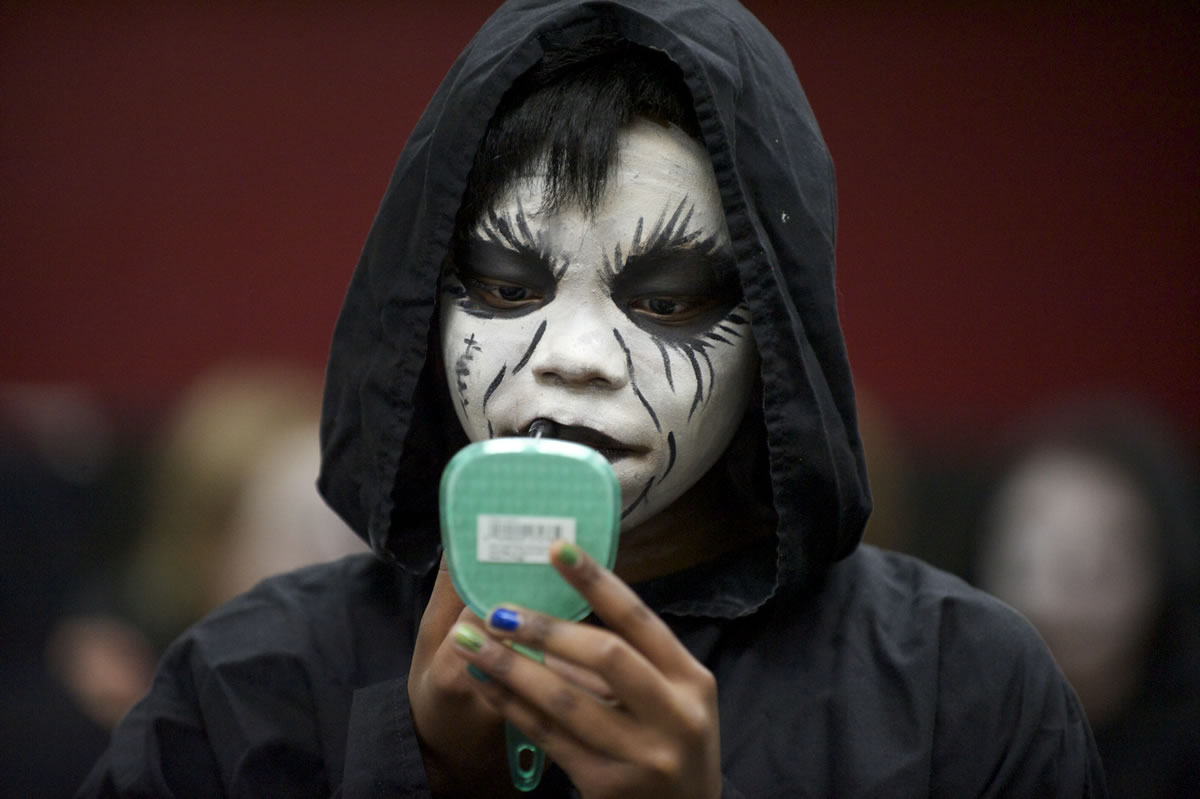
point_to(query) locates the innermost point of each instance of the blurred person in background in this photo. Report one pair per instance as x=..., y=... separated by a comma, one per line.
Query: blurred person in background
x=232, y=496
x=58, y=476
x=1091, y=532
x=230, y=499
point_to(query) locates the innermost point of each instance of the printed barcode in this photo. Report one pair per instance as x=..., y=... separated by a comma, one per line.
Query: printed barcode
x=520, y=539
x=513, y=530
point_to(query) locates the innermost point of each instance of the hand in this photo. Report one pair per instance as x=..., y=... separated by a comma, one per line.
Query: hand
x=461, y=735
x=652, y=732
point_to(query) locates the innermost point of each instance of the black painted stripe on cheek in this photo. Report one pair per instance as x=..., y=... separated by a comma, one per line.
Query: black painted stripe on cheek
x=691, y=354
x=633, y=382
x=718, y=337
x=462, y=370
x=641, y=498
x=666, y=362
x=494, y=385
x=671, y=459
x=712, y=377
x=537, y=336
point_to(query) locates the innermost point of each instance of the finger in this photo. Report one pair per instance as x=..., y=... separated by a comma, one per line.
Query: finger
x=433, y=656
x=551, y=711
x=445, y=670
x=622, y=610
x=635, y=682
x=586, y=679
x=542, y=730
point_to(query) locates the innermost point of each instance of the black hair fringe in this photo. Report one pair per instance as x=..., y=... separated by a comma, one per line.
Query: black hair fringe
x=563, y=116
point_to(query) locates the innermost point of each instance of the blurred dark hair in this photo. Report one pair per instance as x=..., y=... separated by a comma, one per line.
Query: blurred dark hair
x=563, y=116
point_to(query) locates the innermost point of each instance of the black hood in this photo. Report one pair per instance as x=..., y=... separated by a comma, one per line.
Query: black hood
x=386, y=432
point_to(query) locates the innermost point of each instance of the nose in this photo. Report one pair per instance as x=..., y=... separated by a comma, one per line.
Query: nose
x=581, y=350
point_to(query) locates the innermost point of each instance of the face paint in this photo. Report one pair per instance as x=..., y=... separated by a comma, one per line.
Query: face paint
x=1072, y=547
x=625, y=327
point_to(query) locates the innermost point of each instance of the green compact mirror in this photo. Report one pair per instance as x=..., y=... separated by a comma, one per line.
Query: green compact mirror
x=503, y=502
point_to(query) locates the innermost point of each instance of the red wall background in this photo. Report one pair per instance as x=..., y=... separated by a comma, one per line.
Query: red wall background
x=1020, y=189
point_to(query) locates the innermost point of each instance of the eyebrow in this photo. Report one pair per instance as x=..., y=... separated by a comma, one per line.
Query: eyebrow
x=512, y=232
x=669, y=269
x=672, y=232
x=669, y=243
x=499, y=228
x=487, y=258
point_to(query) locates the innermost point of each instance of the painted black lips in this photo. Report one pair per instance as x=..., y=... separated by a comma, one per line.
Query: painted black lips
x=606, y=445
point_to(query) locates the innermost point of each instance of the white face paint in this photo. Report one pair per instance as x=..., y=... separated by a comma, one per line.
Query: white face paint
x=1072, y=547
x=625, y=327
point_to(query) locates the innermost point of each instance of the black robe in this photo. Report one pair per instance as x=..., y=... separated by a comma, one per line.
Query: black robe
x=896, y=680
x=841, y=670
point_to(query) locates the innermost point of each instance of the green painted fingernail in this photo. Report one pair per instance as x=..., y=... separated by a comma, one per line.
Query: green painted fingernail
x=568, y=554
x=468, y=637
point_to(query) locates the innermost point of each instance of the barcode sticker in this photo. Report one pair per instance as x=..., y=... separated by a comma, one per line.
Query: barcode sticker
x=519, y=539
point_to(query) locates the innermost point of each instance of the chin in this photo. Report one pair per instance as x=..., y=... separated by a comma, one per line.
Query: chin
x=633, y=475
x=659, y=499
x=640, y=515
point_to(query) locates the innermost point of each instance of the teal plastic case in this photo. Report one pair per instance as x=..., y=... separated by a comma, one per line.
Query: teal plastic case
x=503, y=502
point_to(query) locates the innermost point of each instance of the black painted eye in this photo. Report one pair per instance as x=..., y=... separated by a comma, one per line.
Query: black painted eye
x=671, y=310
x=501, y=295
x=512, y=293
x=499, y=278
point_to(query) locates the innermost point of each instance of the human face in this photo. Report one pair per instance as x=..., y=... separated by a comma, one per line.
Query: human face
x=1072, y=547
x=626, y=327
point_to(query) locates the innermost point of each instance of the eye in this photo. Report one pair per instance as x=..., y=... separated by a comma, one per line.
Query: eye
x=502, y=295
x=671, y=310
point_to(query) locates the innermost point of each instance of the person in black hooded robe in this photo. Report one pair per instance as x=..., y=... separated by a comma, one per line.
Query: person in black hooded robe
x=618, y=216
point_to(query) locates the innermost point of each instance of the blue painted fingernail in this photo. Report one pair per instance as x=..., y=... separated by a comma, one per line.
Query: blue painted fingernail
x=474, y=671
x=505, y=619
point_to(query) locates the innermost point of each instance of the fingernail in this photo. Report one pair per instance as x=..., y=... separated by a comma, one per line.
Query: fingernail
x=568, y=554
x=474, y=671
x=505, y=619
x=468, y=637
